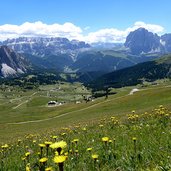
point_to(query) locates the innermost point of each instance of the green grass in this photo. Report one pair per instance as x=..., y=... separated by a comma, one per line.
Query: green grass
x=56, y=117
x=138, y=142
x=34, y=118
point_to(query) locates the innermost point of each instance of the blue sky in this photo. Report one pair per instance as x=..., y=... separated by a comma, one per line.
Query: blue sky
x=90, y=16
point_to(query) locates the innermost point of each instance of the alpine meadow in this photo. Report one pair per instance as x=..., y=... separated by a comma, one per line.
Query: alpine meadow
x=85, y=86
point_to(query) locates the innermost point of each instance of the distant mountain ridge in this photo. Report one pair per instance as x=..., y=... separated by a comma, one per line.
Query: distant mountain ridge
x=11, y=63
x=63, y=55
x=40, y=46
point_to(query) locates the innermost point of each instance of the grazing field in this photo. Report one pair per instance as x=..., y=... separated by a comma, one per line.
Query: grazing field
x=137, y=134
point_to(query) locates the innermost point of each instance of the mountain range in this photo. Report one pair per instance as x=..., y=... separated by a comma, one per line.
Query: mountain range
x=63, y=55
x=40, y=46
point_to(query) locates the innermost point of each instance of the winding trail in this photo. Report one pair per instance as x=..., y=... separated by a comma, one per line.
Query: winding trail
x=24, y=101
x=64, y=114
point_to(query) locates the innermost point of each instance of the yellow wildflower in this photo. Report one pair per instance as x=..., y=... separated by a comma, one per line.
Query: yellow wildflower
x=60, y=144
x=59, y=159
x=49, y=169
x=43, y=160
x=42, y=145
x=5, y=146
x=105, y=139
x=89, y=149
x=54, y=137
x=47, y=143
x=134, y=138
x=95, y=156
x=110, y=141
x=75, y=140
x=28, y=167
x=27, y=154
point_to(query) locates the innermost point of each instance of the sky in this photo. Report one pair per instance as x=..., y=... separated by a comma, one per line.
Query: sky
x=86, y=20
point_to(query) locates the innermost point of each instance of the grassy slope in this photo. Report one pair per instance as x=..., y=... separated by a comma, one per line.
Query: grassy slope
x=118, y=104
x=150, y=71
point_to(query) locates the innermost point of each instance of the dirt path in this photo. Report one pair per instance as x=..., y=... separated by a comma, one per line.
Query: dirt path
x=24, y=101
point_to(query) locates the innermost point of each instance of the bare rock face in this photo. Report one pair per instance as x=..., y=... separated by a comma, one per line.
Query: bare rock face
x=143, y=41
x=11, y=63
x=166, y=42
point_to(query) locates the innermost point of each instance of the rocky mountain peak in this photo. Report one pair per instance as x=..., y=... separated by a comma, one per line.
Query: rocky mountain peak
x=143, y=41
x=11, y=63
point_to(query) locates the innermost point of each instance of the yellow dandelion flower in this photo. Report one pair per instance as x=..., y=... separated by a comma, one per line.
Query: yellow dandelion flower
x=110, y=141
x=59, y=159
x=42, y=145
x=89, y=149
x=134, y=138
x=54, y=137
x=60, y=144
x=43, y=160
x=48, y=143
x=5, y=146
x=27, y=154
x=28, y=167
x=105, y=139
x=75, y=140
x=95, y=156
x=49, y=169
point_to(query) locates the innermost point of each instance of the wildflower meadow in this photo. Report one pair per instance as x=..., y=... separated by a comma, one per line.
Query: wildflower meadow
x=138, y=141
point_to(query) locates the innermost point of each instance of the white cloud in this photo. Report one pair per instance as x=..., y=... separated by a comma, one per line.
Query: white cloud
x=72, y=31
x=119, y=36
x=150, y=27
x=106, y=35
x=36, y=29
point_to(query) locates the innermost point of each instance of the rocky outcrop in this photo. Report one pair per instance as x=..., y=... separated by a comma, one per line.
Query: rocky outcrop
x=11, y=63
